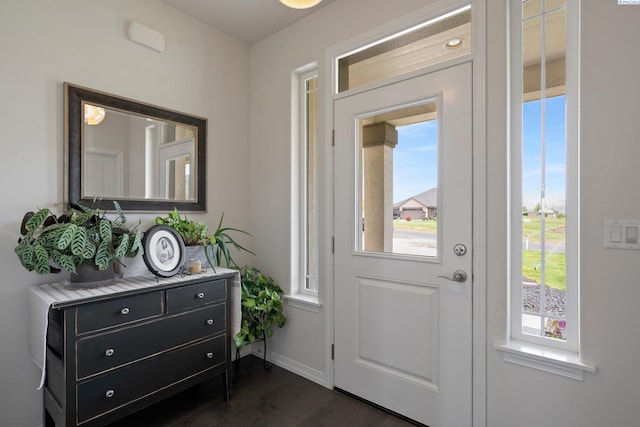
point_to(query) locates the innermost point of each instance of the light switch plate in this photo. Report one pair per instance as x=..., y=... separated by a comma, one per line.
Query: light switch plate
x=622, y=234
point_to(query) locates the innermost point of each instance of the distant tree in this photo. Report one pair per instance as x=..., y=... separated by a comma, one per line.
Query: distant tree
x=538, y=208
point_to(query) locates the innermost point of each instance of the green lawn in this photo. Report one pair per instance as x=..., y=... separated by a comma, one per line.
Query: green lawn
x=553, y=229
x=555, y=263
x=430, y=226
x=554, y=268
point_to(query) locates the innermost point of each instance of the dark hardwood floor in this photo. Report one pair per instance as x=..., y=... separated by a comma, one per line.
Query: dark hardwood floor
x=261, y=397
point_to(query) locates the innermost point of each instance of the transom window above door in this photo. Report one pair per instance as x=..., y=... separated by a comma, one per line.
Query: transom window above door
x=437, y=40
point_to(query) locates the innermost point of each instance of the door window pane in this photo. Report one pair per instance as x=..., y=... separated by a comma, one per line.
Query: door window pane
x=399, y=175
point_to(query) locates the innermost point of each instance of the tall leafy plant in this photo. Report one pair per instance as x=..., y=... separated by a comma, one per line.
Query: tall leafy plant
x=261, y=307
x=225, y=242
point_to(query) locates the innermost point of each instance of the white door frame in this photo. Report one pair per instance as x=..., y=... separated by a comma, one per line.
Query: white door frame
x=478, y=58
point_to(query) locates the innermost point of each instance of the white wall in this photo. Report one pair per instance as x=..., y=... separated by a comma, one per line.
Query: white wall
x=609, y=165
x=610, y=152
x=43, y=44
x=302, y=340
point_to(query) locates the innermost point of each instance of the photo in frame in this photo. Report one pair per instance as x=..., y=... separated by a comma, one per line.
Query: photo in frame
x=163, y=250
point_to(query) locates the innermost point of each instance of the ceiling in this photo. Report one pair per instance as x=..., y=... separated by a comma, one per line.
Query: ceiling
x=247, y=20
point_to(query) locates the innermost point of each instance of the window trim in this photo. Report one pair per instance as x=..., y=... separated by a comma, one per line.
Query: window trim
x=571, y=343
x=300, y=296
x=559, y=357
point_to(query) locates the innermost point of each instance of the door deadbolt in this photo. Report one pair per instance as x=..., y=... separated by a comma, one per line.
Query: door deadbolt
x=459, y=249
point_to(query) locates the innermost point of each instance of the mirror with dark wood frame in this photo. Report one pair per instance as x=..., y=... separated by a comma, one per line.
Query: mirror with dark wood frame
x=146, y=157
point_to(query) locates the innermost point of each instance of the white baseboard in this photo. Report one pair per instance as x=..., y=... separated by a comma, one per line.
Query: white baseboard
x=293, y=366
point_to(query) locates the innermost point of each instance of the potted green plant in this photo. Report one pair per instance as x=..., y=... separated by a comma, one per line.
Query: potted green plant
x=224, y=243
x=209, y=249
x=262, y=308
x=198, y=246
x=79, y=239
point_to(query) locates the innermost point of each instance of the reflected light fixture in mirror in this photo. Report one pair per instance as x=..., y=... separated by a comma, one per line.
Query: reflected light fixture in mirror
x=93, y=115
x=300, y=4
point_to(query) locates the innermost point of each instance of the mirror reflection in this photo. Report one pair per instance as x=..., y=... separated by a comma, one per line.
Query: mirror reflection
x=136, y=157
x=146, y=157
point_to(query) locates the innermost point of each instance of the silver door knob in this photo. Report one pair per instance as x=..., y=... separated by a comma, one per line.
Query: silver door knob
x=458, y=276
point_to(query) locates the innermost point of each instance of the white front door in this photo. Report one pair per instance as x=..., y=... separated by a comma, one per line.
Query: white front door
x=103, y=173
x=403, y=334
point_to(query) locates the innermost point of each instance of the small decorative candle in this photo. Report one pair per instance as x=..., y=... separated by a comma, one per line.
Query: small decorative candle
x=195, y=266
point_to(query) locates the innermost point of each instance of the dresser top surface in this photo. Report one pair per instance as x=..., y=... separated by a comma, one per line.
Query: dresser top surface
x=57, y=295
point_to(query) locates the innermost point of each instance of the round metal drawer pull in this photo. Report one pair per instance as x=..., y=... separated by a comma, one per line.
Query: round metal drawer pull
x=124, y=311
x=109, y=352
x=110, y=393
x=210, y=322
x=200, y=295
x=210, y=355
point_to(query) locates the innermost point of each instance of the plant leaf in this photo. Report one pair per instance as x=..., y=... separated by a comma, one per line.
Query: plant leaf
x=105, y=230
x=135, y=245
x=89, y=249
x=37, y=220
x=103, y=255
x=41, y=258
x=66, y=236
x=123, y=246
x=25, y=253
x=120, y=212
x=79, y=241
x=64, y=261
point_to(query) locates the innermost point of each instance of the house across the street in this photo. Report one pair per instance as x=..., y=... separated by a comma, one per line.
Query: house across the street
x=420, y=206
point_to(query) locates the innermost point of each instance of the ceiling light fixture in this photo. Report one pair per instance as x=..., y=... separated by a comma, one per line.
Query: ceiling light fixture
x=300, y=4
x=93, y=115
x=453, y=43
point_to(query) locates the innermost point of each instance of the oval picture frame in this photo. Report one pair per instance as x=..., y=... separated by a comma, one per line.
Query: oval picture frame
x=163, y=250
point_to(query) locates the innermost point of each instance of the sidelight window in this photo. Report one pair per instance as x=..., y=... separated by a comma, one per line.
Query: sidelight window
x=305, y=183
x=544, y=165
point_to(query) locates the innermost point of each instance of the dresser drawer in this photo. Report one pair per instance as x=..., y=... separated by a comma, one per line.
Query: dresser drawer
x=108, y=392
x=118, y=311
x=111, y=349
x=196, y=295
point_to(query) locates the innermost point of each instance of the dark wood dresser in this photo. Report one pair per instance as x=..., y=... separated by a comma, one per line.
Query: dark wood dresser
x=110, y=355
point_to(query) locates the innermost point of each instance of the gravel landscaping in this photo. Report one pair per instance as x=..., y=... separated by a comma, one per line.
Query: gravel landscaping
x=555, y=299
